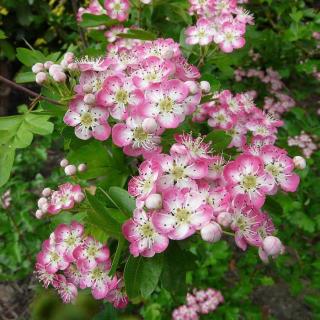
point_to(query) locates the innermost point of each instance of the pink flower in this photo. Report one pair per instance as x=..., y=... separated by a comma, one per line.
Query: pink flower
x=135, y=139
x=99, y=281
x=67, y=238
x=183, y=214
x=90, y=253
x=246, y=176
x=145, y=184
x=67, y=290
x=88, y=122
x=120, y=95
x=144, y=239
x=178, y=170
x=230, y=36
x=201, y=33
x=117, y=296
x=220, y=118
x=164, y=102
x=280, y=167
x=117, y=9
x=152, y=70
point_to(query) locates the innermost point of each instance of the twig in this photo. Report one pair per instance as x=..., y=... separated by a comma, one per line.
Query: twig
x=28, y=91
x=75, y=11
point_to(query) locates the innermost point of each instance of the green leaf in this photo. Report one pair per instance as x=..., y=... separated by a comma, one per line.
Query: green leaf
x=133, y=277
x=101, y=217
x=151, y=272
x=90, y=20
x=219, y=139
x=2, y=35
x=123, y=200
x=116, y=258
x=6, y=162
x=138, y=34
x=25, y=77
x=29, y=57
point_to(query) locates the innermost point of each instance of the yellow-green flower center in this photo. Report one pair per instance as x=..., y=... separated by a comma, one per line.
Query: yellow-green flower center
x=249, y=182
x=139, y=134
x=87, y=119
x=166, y=105
x=182, y=215
x=122, y=96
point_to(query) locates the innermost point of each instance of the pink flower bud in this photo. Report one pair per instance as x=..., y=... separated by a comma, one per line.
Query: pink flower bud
x=38, y=67
x=48, y=64
x=89, y=98
x=64, y=64
x=299, y=162
x=78, y=197
x=41, y=78
x=39, y=214
x=272, y=246
x=55, y=68
x=44, y=208
x=82, y=167
x=70, y=170
x=59, y=77
x=154, y=201
x=149, y=125
x=64, y=163
x=211, y=232
x=224, y=219
x=69, y=57
x=42, y=202
x=205, y=86
x=46, y=192
x=87, y=88
x=72, y=66
x=192, y=86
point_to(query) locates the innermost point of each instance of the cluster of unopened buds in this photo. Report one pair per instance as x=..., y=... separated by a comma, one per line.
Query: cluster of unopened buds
x=191, y=190
x=198, y=302
x=115, y=9
x=69, y=260
x=219, y=21
x=146, y=89
x=5, y=199
x=50, y=72
x=305, y=142
x=278, y=102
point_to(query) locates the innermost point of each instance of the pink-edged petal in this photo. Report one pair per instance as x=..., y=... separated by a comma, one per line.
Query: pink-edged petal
x=121, y=135
x=83, y=132
x=164, y=223
x=71, y=118
x=101, y=132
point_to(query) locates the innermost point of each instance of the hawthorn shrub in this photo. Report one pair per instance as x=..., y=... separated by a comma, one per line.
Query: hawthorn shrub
x=188, y=134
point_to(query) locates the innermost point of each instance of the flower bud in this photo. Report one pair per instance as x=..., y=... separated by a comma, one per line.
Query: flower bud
x=69, y=57
x=55, y=68
x=82, y=167
x=89, y=98
x=41, y=78
x=211, y=232
x=48, y=64
x=205, y=86
x=72, y=66
x=272, y=246
x=154, y=201
x=224, y=219
x=192, y=86
x=59, y=76
x=149, y=125
x=42, y=202
x=46, y=192
x=87, y=88
x=64, y=163
x=70, y=170
x=299, y=162
x=39, y=214
x=64, y=64
x=38, y=67
x=78, y=197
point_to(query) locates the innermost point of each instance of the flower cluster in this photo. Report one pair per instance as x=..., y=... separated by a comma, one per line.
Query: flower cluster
x=239, y=116
x=70, y=260
x=5, y=199
x=146, y=88
x=193, y=190
x=220, y=21
x=197, y=303
x=50, y=72
x=54, y=201
x=305, y=142
x=278, y=101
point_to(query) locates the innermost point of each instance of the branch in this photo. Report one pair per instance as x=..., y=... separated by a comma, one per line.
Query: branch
x=28, y=91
